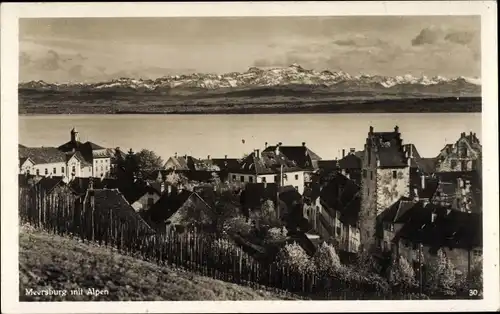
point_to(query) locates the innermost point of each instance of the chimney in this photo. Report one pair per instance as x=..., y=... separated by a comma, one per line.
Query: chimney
x=185, y=156
x=208, y=157
x=371, y=129
x=265, y=145
x=343, y=153
x=352, y=150
x=175, y=155
x=225, y=156
x=169, y=189
x=304, y=144
x=162, y=187
x=422, y=181
x=415, y=190
x=396, y=129
x=277, y=151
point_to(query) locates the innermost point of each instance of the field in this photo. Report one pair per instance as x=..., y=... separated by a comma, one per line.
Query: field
x=48, y=261
x=263, y=101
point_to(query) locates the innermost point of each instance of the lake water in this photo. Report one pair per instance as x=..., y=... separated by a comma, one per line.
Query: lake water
x=234, y=135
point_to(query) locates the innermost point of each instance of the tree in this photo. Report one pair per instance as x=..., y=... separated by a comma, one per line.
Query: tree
x=441, y=275
x=327, y=261
x=294, y=257
x=401, y=274
x=148, y=160
x=476, y=275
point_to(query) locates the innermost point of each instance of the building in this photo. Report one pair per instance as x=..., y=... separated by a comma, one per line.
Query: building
x=460, y=190
x=302, y=156
x=334, y=212
x=385, y=179
x=180, y=163
x=464, y=155
x=97, y=156
x=269, y=167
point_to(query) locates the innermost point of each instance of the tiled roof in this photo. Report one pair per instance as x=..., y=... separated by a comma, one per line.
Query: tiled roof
x=226, y=163
x=184, y=162
x=42, y=155
x=78, y=155
x=327, y=164
x=427, y=165
x=451, y=228
x=167, y=205
x=106, y=200
x=301, y=155
x=342, y=194
x=267, y=163
x=430, y=184
x=396, y=210
x=350, y=161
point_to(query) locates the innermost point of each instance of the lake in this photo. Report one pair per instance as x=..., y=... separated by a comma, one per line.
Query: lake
x=234, y=135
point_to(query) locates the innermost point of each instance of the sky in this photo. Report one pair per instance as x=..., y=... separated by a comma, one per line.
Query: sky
x=98, y=49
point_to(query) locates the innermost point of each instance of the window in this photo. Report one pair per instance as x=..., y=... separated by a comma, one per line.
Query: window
x=371, y=175
x=234, y=177
x=73, y=169
x=151, y=201
x=391, y=227
x=453, y=164
x=250, y=179
x=364, y=173
x=242, y=178
x=106, y=168
x=37, y=172
x=296, y=177
x=54, y=170
x=394, y=174
x=276, y=178
x=101, y=168
x=46, y=171
x=338, y=230
x=62, y=169
x=297, y=188
x=263, y=179
x=477, y=252
x=28, y=172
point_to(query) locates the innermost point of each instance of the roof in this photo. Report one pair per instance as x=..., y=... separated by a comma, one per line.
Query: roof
x=227, y=164
x=42, y=155
x=342, y=194
x=451, y=228
x=290, y=196
x=78, y=155
x=396, y=210
x=312, y=192
x=449, y=183
x=428, y=165
x=328, y=164
x=111, y=200
x=255, y=194
x=49, y=183
x=430, y=184
x=301, y=155
x=389, y=149
x=350, y=161
x=266, y=163
x=167, y=205
x=183, y=162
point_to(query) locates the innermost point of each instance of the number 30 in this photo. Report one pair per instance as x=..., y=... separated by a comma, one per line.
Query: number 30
x=473, y=292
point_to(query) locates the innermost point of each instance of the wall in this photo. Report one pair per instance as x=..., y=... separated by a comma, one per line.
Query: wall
x=59, y=166
x=26, y=167
x=246, y=178
x=73, y=162
x=295, y=179
x=367, y=215
x=86, y=172
x=101, y=167
x=446, y=165
x=142, y=203
x=389, y=189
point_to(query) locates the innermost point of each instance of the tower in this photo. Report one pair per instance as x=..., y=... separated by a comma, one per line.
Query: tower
x=74, y=135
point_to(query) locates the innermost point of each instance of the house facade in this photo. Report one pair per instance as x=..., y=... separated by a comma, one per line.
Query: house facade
x=464, y=155
x=269, y=167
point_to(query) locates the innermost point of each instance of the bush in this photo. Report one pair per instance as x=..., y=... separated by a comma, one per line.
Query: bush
x=276, y=234
x=441, y=275
x=294, y=257
x=401, y=274
x=328, y=262
x=237, y=225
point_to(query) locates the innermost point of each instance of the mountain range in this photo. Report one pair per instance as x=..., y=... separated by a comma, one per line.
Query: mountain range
x=280, y=80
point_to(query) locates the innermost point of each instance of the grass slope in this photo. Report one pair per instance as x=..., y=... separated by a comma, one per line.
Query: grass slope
x=52, y=262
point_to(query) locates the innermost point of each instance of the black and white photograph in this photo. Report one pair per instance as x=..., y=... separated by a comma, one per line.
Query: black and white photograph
x=251, y=158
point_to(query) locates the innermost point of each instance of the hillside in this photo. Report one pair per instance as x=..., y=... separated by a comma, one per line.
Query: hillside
x=52, y=262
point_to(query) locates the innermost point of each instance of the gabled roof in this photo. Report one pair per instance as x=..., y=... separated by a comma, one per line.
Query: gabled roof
x=49, y=183
x=341, y=194
x=428, y=165
x=328, y=165
x=350, y=161
x=301, y=155
x=78, y=155
x=111, y=200
x=266, y=163
x=42, y=155
x=396, y=210
x=226, y=164
x=184, y=162
x=167, y=205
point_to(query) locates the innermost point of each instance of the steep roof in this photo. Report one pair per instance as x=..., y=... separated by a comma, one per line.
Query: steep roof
x=49, y=183
x=301, y=155
x=184, y=162
x=342, y=194
x=396, y=210
x=350, y=161
x=42, y=155
x=167, y=205
x=328, y=165
x=111, y=200
x=226, y=164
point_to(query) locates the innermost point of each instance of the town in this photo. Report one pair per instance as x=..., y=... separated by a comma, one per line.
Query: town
x=383, y=200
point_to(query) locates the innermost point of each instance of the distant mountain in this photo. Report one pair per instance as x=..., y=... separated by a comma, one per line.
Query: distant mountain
x=291, y=77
